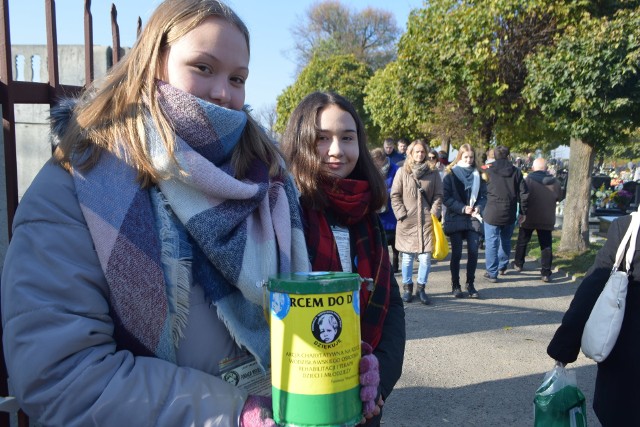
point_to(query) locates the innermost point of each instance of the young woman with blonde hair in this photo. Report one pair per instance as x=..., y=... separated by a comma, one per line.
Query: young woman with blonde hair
x=416, y=193
x=465, y=195
x=130, y=280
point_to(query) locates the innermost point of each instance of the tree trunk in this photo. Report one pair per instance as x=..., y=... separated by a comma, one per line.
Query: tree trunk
x=575, y=223
x=446, y=145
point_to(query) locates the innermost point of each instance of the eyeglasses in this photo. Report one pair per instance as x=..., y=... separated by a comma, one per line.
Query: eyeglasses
x=432, y=157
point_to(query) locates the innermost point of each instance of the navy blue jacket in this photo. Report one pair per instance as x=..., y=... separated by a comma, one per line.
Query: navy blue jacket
x=387, y=217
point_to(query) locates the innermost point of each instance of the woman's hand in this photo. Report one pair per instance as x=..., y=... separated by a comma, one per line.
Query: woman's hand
x=257, y=412
x=369, y=381
x=376, y=411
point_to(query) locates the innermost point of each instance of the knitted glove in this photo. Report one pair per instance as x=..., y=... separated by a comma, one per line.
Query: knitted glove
x=369, y=379
x=257, y=412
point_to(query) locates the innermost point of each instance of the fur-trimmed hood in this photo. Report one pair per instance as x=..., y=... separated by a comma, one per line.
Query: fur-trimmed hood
x=59, y=117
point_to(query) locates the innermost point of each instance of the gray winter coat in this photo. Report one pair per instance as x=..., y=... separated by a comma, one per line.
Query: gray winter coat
x=65, y=367
x=413, y=201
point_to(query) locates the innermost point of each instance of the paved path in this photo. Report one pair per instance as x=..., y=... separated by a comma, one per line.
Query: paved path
x=478, y=362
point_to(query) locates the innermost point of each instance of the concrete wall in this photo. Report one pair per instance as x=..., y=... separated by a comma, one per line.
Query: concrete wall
x=70, y=63
x=32, y=130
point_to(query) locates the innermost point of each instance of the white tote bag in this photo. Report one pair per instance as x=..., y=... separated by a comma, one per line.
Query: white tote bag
x=603, y=326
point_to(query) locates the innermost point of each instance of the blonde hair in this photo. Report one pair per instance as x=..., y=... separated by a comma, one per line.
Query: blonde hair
x=110, y=114
x=464, y=148
x=409, y=162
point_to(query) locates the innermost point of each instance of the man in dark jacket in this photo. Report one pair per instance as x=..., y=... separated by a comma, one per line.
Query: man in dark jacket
x=544, y=192
x=505, y=190
x=389, y=146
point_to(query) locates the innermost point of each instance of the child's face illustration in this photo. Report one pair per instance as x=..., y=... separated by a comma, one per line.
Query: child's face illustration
x=327, y=330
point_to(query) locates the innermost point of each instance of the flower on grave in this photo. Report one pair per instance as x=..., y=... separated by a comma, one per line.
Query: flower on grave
x=622, y=198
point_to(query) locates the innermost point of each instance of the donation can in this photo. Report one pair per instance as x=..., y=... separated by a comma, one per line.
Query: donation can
x=315, y=349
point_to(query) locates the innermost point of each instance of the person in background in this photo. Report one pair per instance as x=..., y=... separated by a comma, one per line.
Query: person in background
x=341, y=191
x=402, y=150
x=389, y=146
x=465, y=196
x=490, y=158
x=527, y=163
x=506, y=190
x=131, y=276
x=388, y=170
x=616, y=394
x=443, y=157
x=544, y=193
x=416, y=193
x=402, y=147
x=432, y=155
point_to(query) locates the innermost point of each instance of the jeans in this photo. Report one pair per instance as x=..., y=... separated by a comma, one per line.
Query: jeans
x=497, y=247
x=423, y=267
x=456, y=239
x=546, y=255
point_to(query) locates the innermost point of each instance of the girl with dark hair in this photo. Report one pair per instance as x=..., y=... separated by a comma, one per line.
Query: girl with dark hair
x=341, y=191
x=465, y=195
x=416, y=193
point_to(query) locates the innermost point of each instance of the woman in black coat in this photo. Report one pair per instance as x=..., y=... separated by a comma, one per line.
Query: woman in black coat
x=617, y=390
x=465, y=195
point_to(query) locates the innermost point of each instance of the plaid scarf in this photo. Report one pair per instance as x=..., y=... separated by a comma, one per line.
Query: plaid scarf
x=245, y=230
x=349, y=204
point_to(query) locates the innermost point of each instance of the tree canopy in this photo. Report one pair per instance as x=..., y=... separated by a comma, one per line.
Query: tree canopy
x=587, y=85
x=529, y=74
x=331, y=28
x=465, y=59
x=343, y=74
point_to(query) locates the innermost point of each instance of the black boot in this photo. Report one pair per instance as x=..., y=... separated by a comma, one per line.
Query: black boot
x=456, y=290
x=424, y=298
x=472, y=291
x=407, y=295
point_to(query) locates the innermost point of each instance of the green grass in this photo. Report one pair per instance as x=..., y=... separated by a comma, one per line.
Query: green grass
x=573, y=263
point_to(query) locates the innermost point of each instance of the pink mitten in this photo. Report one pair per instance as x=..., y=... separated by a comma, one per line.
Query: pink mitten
x=369, y=379
x=257, y=412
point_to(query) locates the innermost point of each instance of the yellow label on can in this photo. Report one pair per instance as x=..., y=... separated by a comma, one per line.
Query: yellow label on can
x=315, y=342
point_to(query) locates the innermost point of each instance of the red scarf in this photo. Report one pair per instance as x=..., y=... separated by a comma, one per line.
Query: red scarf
x=349, y=203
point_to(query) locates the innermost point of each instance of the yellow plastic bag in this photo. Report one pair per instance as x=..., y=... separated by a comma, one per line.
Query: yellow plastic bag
x=440, y=244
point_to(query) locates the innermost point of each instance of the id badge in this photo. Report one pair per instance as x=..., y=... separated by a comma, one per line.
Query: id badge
x=341, y=234
x=245, y=373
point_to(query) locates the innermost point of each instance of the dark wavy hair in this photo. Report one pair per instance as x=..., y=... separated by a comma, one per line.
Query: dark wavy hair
x=299, y=147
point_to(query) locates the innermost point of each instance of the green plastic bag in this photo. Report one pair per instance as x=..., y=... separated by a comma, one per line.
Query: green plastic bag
x=558, y=401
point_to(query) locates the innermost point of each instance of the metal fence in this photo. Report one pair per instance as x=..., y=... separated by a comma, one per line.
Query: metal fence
x=14, y=92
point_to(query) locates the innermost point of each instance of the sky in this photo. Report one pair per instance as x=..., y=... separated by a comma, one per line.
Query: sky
x=271, y=68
